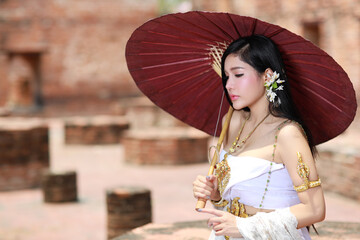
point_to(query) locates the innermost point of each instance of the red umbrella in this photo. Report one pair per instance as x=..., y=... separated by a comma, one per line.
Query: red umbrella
x=170, y=60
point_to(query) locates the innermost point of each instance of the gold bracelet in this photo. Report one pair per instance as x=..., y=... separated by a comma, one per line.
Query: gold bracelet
x=221, y=203
x=316, y=183
x=311, y=184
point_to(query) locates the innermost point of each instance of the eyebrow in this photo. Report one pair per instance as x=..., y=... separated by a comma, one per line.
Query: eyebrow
x=234, y=68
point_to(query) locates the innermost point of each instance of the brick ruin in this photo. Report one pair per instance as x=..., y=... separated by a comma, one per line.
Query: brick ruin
x=24, y=154
x=83, y=65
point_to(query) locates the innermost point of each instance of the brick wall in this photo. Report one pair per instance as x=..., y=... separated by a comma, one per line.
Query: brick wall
x=340, y=172
x=84, y=42
x=24, y=154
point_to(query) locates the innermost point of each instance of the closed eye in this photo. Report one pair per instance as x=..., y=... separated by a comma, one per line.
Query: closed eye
x=239, y=75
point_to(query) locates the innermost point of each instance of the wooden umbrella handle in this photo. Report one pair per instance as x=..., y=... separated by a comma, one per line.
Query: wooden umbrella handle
x=202, y=202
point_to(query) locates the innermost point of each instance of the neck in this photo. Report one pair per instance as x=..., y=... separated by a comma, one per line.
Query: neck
x=259, y=111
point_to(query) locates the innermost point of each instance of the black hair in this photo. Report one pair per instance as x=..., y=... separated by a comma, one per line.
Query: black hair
x=261, y=53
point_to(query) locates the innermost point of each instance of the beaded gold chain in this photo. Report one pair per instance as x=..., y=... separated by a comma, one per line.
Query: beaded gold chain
x=236, y=143
x=271, y=163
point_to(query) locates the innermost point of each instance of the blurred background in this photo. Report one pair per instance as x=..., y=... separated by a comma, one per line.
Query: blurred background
x=68, y=103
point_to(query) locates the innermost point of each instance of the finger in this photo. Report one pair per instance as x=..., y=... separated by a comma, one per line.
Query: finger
x=201, y=196
x=206, y=184
x=212, y=224
x=214, y=221
x=214, y=212
x=201, y=178
x=203, y=181
x=203, y=189
x=212, y=181
x=215, y=182
x=217, y=227
x=220, y=232
x=211, y=178
x=200, y=192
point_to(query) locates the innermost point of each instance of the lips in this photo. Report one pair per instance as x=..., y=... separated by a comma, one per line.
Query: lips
x=233, y=97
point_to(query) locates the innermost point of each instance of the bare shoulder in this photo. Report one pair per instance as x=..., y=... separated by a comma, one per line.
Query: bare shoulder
x=291, y=131
x=292, y=139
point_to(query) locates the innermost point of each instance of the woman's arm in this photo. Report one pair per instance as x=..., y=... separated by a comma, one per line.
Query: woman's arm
x=312, y=207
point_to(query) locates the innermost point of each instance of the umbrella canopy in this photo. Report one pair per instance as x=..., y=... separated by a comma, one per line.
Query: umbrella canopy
x=170, y=60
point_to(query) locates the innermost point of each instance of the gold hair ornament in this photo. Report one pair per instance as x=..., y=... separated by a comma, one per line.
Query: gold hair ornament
x=304, y=172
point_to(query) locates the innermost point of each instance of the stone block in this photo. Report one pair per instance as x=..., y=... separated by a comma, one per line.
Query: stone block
x=24, y=153
x=169, y=146
x=59, y=186
x=95, y=129
x=128, y=207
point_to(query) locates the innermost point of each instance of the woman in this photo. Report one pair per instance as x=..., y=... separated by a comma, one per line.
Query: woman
x=266, y=185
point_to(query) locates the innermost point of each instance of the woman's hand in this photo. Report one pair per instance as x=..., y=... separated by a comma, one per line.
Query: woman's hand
x=206, y=188
x=223, y=223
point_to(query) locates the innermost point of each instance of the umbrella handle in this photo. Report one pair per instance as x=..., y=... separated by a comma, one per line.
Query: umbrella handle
x=202, y=202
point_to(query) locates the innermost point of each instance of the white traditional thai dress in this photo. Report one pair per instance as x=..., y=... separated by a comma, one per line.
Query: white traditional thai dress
x=245, y=179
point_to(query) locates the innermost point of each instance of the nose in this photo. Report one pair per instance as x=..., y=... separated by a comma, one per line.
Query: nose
x=229, y=83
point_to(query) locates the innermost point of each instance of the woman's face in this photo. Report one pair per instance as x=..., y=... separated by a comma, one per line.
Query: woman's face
x=244, y=85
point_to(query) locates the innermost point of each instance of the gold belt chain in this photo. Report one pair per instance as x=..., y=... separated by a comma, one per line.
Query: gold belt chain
x=238, y=209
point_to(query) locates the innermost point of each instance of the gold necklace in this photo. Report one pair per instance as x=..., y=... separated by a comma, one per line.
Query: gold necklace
x=236, y=143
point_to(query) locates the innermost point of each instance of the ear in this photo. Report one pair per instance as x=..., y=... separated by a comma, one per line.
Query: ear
x=267, y=73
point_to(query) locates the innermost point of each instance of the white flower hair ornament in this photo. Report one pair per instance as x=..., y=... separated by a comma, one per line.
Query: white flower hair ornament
x=272, y=84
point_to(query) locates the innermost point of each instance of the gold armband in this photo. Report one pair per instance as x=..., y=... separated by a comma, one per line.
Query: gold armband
x=304, y=172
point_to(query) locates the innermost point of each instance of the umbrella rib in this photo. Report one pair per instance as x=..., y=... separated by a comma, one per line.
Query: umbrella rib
x=175, y=72
x=278, y=31
x=183, y=80
x=210, y=88
x=313, y=63
x=253, y=26
x=169, y=44
x=304, y=53
x=323, y=87
x=221, y=29
x=318, y=75
x=233, y=23
x=175, y=63
x=191, y=89
x=176, y=36
x=166, y=53
x=327, y=101
x=294, y=42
